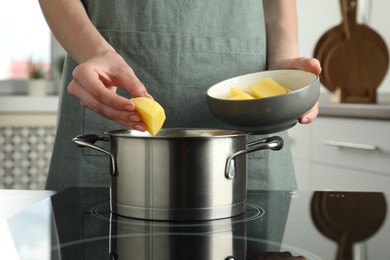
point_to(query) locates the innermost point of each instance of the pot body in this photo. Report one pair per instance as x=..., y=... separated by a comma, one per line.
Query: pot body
x=178, y=177
x=180, y=174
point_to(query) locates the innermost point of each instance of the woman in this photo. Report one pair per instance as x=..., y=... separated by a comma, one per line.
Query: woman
x=171, y=50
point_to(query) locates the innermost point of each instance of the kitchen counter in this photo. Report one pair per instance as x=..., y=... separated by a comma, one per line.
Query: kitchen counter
x=25, y=224
x=28, y=111
x=15, y=201
x=28, y=104
x=49, y=104
x=77, y=224
x=381, y=110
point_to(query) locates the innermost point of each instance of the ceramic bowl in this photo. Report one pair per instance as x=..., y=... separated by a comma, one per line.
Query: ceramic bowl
x=265, y=115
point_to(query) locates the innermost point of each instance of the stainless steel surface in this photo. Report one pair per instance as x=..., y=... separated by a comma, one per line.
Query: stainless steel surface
x=88, y=140
x=180, y=173
x=265, y=115
x=272, y=143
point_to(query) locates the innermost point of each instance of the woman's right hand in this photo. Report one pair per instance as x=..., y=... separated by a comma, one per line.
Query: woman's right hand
x=95, y=82
x=101, y=69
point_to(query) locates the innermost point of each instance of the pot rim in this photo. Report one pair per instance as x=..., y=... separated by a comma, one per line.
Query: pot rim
x=174, y=133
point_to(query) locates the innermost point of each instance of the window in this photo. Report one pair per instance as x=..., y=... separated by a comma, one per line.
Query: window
x=25, y=39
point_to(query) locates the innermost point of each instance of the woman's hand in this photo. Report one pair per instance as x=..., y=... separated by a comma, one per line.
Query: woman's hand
x=100, y=68
x=306, y=64
x=282, y=43
x=95, y=83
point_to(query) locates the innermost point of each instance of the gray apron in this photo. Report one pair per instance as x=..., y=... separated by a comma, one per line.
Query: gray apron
x=177, y=48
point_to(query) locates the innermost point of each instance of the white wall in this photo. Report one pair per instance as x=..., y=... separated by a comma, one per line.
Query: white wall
x=315, y=17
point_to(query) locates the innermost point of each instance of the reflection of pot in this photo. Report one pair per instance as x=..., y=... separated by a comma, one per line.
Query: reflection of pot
x=348, y=217
x=180, y=174
x=206, y=240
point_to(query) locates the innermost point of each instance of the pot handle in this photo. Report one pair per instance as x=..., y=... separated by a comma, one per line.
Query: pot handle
x=89, y=140
x=273, y=143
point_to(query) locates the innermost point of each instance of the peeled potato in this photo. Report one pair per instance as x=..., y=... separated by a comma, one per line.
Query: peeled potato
x=241, y=96
x=237, y=91
x=151, y=112
x=266, y=88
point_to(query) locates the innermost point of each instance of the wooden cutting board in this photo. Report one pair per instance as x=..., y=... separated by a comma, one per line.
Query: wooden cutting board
x=348, y=217
x=354, y=58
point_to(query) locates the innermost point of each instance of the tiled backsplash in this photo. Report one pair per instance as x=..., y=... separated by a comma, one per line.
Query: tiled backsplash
x=25, y=154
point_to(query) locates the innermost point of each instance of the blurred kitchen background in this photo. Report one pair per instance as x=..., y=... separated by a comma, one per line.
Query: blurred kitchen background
x=30, y=73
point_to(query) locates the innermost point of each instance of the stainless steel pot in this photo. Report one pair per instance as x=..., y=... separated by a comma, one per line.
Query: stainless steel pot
x=180, y=174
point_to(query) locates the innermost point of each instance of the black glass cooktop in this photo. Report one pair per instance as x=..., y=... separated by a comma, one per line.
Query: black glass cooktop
x=77, y=224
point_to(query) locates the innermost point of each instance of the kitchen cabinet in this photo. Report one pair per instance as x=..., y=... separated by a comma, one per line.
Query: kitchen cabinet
x=341, y=153
x=300, y=142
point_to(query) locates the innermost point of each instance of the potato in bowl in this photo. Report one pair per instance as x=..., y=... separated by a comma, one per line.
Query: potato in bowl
x=268, y=114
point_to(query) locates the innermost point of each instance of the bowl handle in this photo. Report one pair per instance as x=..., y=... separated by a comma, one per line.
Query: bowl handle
x=89, y=140
x=273, y=143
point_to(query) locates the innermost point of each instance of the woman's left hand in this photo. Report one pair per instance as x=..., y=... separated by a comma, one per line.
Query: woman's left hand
x=306, y=64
